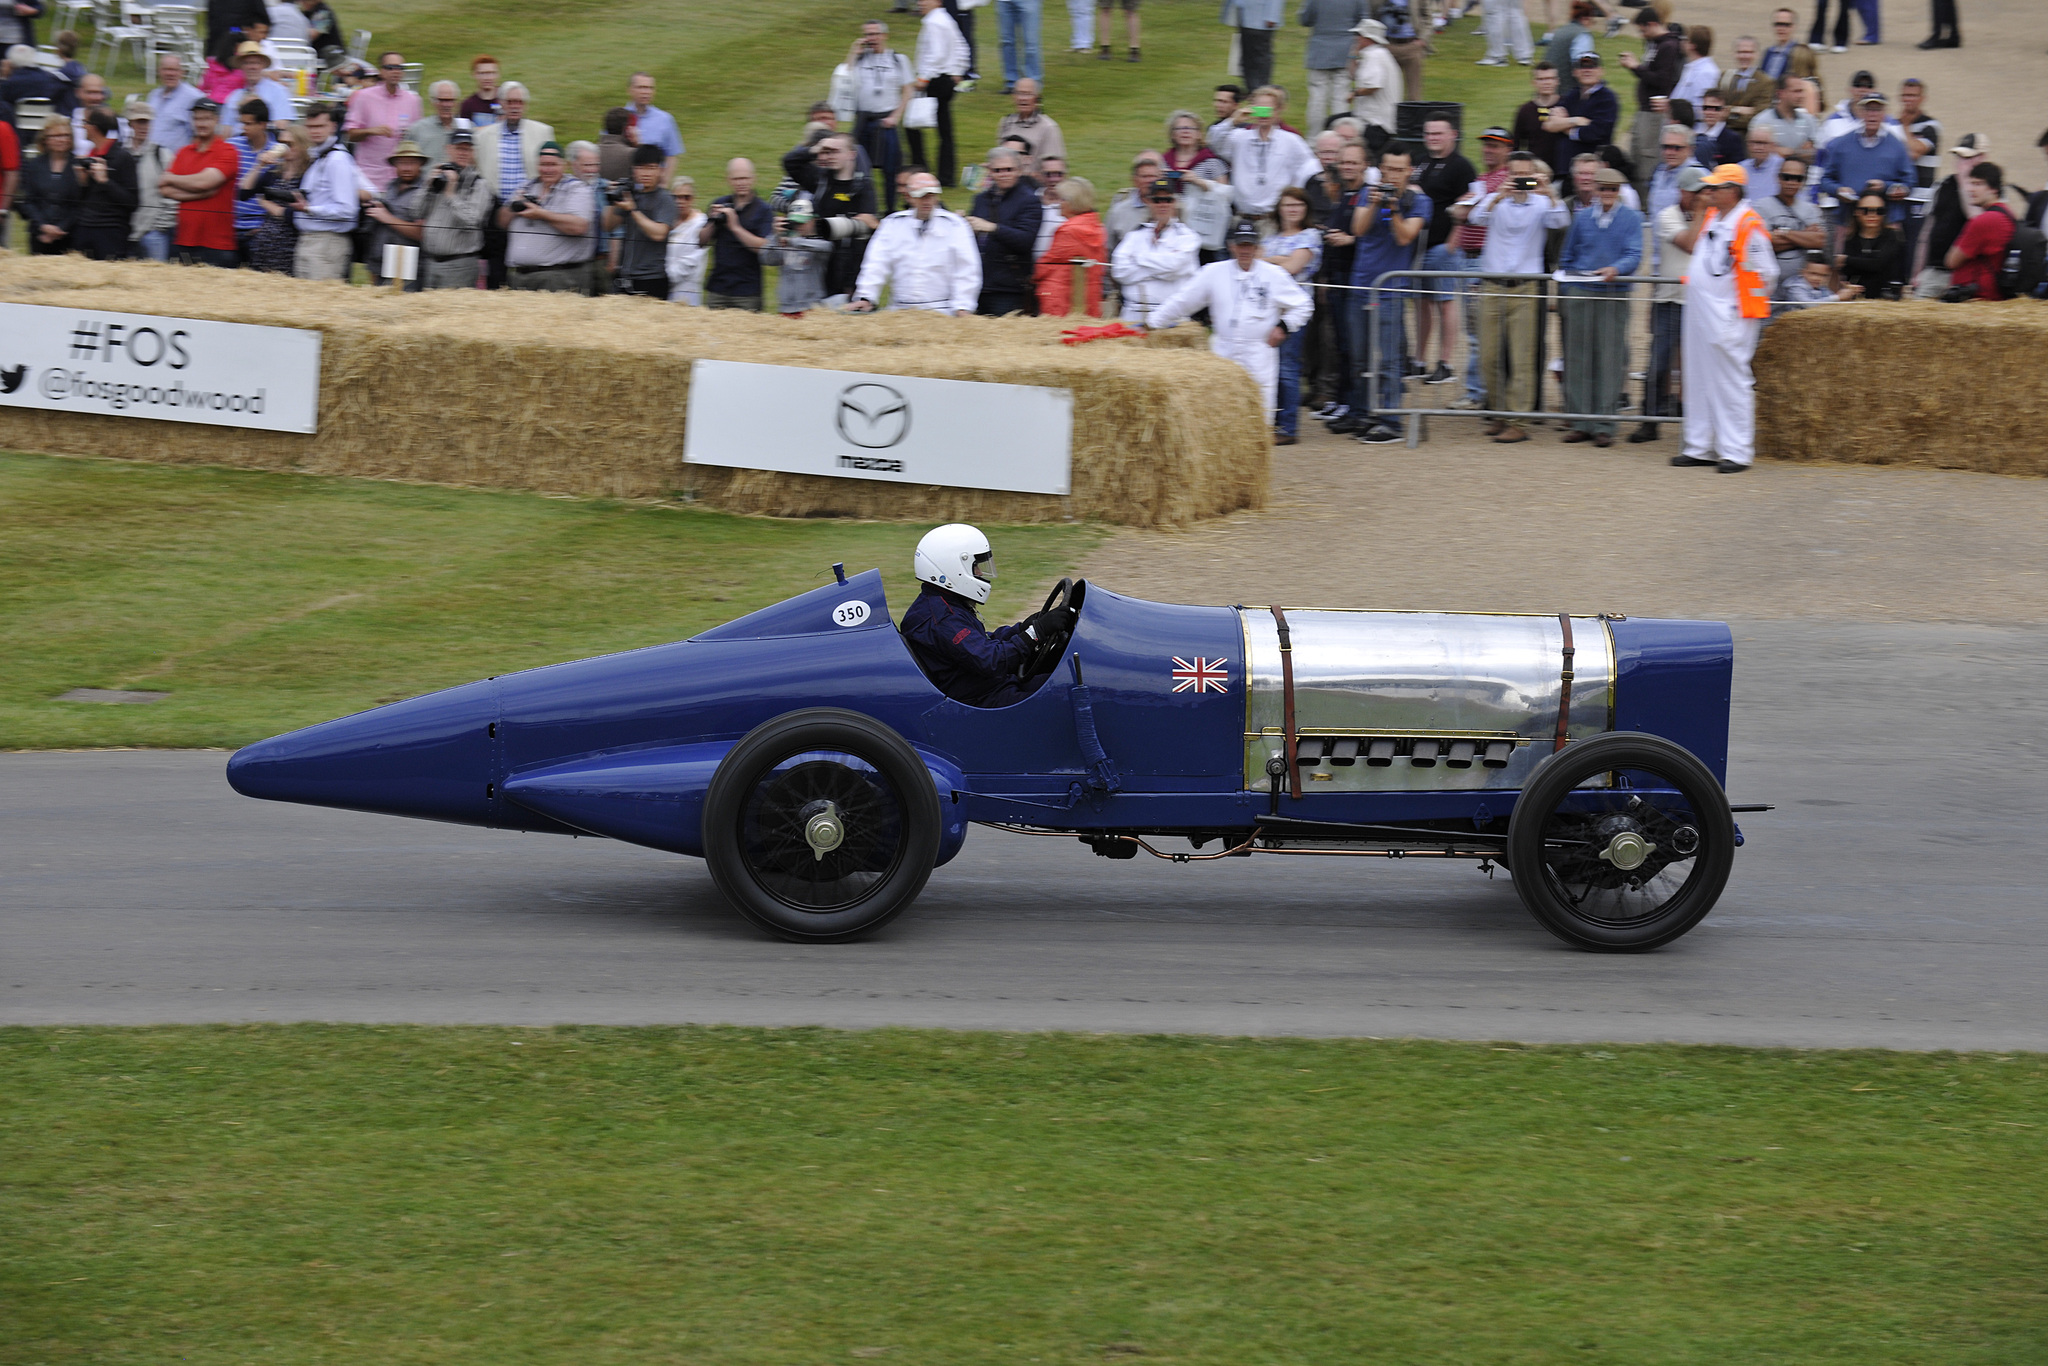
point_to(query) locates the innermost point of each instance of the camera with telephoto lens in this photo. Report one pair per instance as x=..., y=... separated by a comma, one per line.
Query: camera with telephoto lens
x=617, y=191
x=520, y=204
x=445, y=177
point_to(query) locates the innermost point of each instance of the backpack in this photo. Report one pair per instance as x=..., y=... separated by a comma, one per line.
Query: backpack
x=2026, y=262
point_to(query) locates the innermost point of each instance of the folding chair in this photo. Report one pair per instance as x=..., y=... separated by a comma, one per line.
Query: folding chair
x=113, y=29
x=30, y=116
x=174, y=31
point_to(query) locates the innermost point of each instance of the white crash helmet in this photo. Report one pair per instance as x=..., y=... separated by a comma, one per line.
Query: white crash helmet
x=957, y=558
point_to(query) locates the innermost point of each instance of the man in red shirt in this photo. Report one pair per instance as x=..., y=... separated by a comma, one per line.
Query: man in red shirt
x=202, y=180
x=1979, y=251
x=10, y=175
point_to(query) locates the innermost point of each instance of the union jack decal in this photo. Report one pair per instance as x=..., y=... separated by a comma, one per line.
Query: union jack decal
x=1202, y=675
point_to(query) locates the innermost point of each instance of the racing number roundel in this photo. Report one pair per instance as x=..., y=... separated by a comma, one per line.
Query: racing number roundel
x=852, y=612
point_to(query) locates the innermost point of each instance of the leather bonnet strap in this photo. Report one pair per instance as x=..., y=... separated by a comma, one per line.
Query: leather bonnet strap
x=1287, y=698
x=1564, y=691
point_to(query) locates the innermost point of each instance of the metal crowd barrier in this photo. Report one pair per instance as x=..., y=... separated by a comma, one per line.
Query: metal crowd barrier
x=1413, y=418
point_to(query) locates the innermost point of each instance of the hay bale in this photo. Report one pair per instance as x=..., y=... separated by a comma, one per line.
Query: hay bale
x=562, y=394
x=1966, y=391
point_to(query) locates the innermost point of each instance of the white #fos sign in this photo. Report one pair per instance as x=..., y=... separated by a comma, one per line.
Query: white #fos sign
x=952, y=433
x=77, y=360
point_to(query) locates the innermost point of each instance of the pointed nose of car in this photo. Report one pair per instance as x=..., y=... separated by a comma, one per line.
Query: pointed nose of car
x=433, y=757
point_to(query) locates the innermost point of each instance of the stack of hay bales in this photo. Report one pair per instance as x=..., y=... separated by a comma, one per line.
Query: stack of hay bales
x=1958, y=386
x=563, y=394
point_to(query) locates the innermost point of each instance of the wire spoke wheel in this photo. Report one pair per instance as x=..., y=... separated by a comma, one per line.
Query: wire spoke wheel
x=821, y=829
x=821, y=825
x=1621, y=843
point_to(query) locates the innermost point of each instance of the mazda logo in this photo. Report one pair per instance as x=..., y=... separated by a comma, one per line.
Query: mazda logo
x=872, y=416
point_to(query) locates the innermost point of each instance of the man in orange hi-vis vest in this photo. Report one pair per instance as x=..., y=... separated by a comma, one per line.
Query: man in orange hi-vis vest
x=1727, y=298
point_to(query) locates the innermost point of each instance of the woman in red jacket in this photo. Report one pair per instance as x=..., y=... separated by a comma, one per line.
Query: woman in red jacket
x=1079, y=238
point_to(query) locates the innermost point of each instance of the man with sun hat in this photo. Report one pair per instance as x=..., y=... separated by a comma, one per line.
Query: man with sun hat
x=1727, y=297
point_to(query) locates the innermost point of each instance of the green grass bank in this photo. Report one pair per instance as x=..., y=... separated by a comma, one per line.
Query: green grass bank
x=262, y=602
x=358, y=1194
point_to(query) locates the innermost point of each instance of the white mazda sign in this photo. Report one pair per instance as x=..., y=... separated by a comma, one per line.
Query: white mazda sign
x=83, y=360
x=948, y=432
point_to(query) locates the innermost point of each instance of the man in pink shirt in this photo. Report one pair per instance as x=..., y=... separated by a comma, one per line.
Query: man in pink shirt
x=377, y=116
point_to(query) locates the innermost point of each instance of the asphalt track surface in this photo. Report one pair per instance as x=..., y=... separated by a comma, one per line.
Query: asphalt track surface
x=1894, y=899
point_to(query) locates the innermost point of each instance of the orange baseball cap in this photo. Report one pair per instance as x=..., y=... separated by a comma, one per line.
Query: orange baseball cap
x=1727, y=174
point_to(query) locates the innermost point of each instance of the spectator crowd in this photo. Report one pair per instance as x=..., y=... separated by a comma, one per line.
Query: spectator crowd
x=1292, y=242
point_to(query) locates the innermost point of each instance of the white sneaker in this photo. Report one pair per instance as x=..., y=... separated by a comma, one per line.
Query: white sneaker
x=1838, y=48
x=1491, y=61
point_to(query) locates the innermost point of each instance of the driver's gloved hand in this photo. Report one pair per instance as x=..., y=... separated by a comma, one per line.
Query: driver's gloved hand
x=1057, y=620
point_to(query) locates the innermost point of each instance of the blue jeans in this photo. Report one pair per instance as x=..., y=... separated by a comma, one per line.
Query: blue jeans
x=156, y=244
x=1018, y=20
x=1288, y=419
x=1392, y=358
x=1448, y=257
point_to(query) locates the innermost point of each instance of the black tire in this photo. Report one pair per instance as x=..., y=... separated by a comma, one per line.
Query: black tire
x=773, y=787
x=1662, y=795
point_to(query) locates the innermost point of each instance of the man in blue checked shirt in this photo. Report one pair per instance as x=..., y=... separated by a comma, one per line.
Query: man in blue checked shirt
x=1605, y=240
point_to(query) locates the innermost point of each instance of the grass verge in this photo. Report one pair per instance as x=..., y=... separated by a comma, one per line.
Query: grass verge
x=329, y=1194
x=262, y=602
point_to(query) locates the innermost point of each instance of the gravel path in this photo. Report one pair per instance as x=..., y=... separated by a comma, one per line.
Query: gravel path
x=1543, y=527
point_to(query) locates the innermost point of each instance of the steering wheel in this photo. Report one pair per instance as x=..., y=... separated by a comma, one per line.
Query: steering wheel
x=1049, y=647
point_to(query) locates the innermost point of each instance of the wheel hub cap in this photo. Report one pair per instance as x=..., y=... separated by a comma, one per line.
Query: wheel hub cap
x=824, y=831
x=1627, y=851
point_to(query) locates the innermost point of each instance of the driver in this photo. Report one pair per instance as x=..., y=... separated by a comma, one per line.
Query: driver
x=968, y=662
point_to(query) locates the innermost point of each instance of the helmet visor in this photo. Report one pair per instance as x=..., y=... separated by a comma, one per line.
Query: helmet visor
x=985, y=566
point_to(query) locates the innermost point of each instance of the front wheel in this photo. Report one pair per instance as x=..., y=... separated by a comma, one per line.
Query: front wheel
x=1621, y=843
x=821, y=825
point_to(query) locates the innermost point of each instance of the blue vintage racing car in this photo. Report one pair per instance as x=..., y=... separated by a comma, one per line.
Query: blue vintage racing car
x=803, y=753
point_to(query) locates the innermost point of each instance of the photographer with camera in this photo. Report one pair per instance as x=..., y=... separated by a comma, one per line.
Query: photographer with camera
x=737, y=226
x=397, y=209
x=1387, y=224
x=647, y=213
x=457, y=204
x=843, y=198
x=106, y=191
x=548, y=245
x=1519, y=218
x=798, y=253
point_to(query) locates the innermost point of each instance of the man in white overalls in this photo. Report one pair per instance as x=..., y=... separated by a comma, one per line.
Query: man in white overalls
x=1253, y=305
x=1727, y=299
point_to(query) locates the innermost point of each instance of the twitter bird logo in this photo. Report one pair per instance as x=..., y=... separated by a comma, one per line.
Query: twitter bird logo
x=10, y=380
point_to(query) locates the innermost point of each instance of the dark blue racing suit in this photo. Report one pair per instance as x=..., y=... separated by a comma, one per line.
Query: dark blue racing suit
x=968, y=662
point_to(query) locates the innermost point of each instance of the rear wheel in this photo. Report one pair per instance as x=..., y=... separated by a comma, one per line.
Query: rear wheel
x=1630, y=863
x=821, y=825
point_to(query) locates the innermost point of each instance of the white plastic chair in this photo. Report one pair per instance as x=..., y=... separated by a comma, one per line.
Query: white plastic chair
x=174, y=31
x=295, y=56
x=113, y=30
x=415, y=72
x=30, y=116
